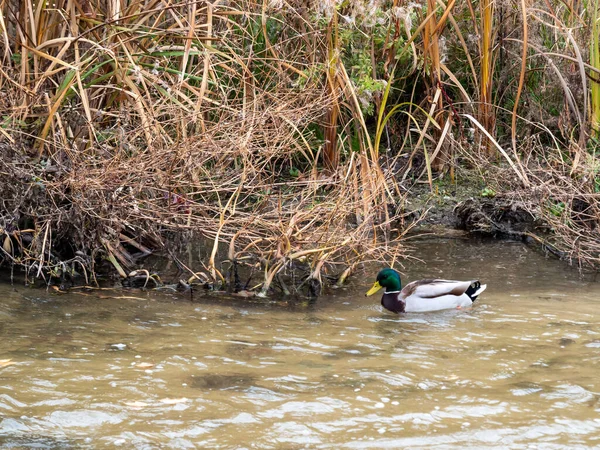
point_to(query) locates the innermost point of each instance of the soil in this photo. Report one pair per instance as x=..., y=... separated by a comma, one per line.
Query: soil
x=471, y=207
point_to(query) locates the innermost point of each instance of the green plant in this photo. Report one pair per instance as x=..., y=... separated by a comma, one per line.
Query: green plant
x=488, y=192
x=556, y=208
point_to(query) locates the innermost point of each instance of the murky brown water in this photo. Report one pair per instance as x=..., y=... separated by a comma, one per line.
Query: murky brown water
x=520, y=369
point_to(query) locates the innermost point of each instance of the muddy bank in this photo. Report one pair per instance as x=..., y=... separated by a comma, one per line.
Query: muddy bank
x=478, y=210
x=470, y=206
x=179, y=262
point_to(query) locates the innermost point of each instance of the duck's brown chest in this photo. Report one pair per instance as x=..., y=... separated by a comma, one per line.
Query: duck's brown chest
x=391, y=301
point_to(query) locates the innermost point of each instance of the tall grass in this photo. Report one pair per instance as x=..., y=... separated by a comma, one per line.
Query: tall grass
x=140, y=119
x=487, y=115
x=595, y=63
x=273, y=127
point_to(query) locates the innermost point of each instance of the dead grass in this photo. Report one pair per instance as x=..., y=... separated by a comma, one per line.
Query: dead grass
x=126, y=124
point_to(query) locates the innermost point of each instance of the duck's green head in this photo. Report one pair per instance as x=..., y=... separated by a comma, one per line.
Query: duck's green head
x=388, y=279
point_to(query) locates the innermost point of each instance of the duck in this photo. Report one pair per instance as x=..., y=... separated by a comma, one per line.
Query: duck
x=424, y=295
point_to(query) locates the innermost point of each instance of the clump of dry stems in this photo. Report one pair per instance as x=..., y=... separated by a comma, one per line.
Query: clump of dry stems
x=285, y=131
x=129, y=122
x=563, y=202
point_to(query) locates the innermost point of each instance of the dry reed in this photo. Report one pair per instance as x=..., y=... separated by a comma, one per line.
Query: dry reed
x=262, y=126
x=129, y=122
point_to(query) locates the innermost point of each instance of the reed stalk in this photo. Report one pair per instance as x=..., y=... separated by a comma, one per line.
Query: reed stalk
x=595, y=63
x=487, y=116
x=331, y=157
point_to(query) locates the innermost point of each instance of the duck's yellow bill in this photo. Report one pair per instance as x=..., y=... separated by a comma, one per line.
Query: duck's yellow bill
x=374, y=289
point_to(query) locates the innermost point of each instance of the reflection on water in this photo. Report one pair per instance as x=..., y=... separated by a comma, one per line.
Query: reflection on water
x=520, y=368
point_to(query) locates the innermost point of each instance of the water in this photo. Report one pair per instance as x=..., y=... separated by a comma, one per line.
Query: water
x=518, y=370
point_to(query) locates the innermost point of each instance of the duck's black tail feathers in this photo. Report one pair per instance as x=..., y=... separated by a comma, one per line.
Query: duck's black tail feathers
x=475, y=289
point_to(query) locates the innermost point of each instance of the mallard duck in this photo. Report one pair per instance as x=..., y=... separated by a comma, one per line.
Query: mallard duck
x=424, y=295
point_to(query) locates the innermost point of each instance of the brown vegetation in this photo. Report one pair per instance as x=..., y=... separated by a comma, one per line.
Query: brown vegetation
x=288, y=132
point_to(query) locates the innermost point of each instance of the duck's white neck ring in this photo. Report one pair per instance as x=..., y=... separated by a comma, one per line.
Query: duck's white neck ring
x=391, y=292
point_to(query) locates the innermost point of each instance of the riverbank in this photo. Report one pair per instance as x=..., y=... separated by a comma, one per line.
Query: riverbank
x=487, y=208
x=292, y=140
x=126, y=248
